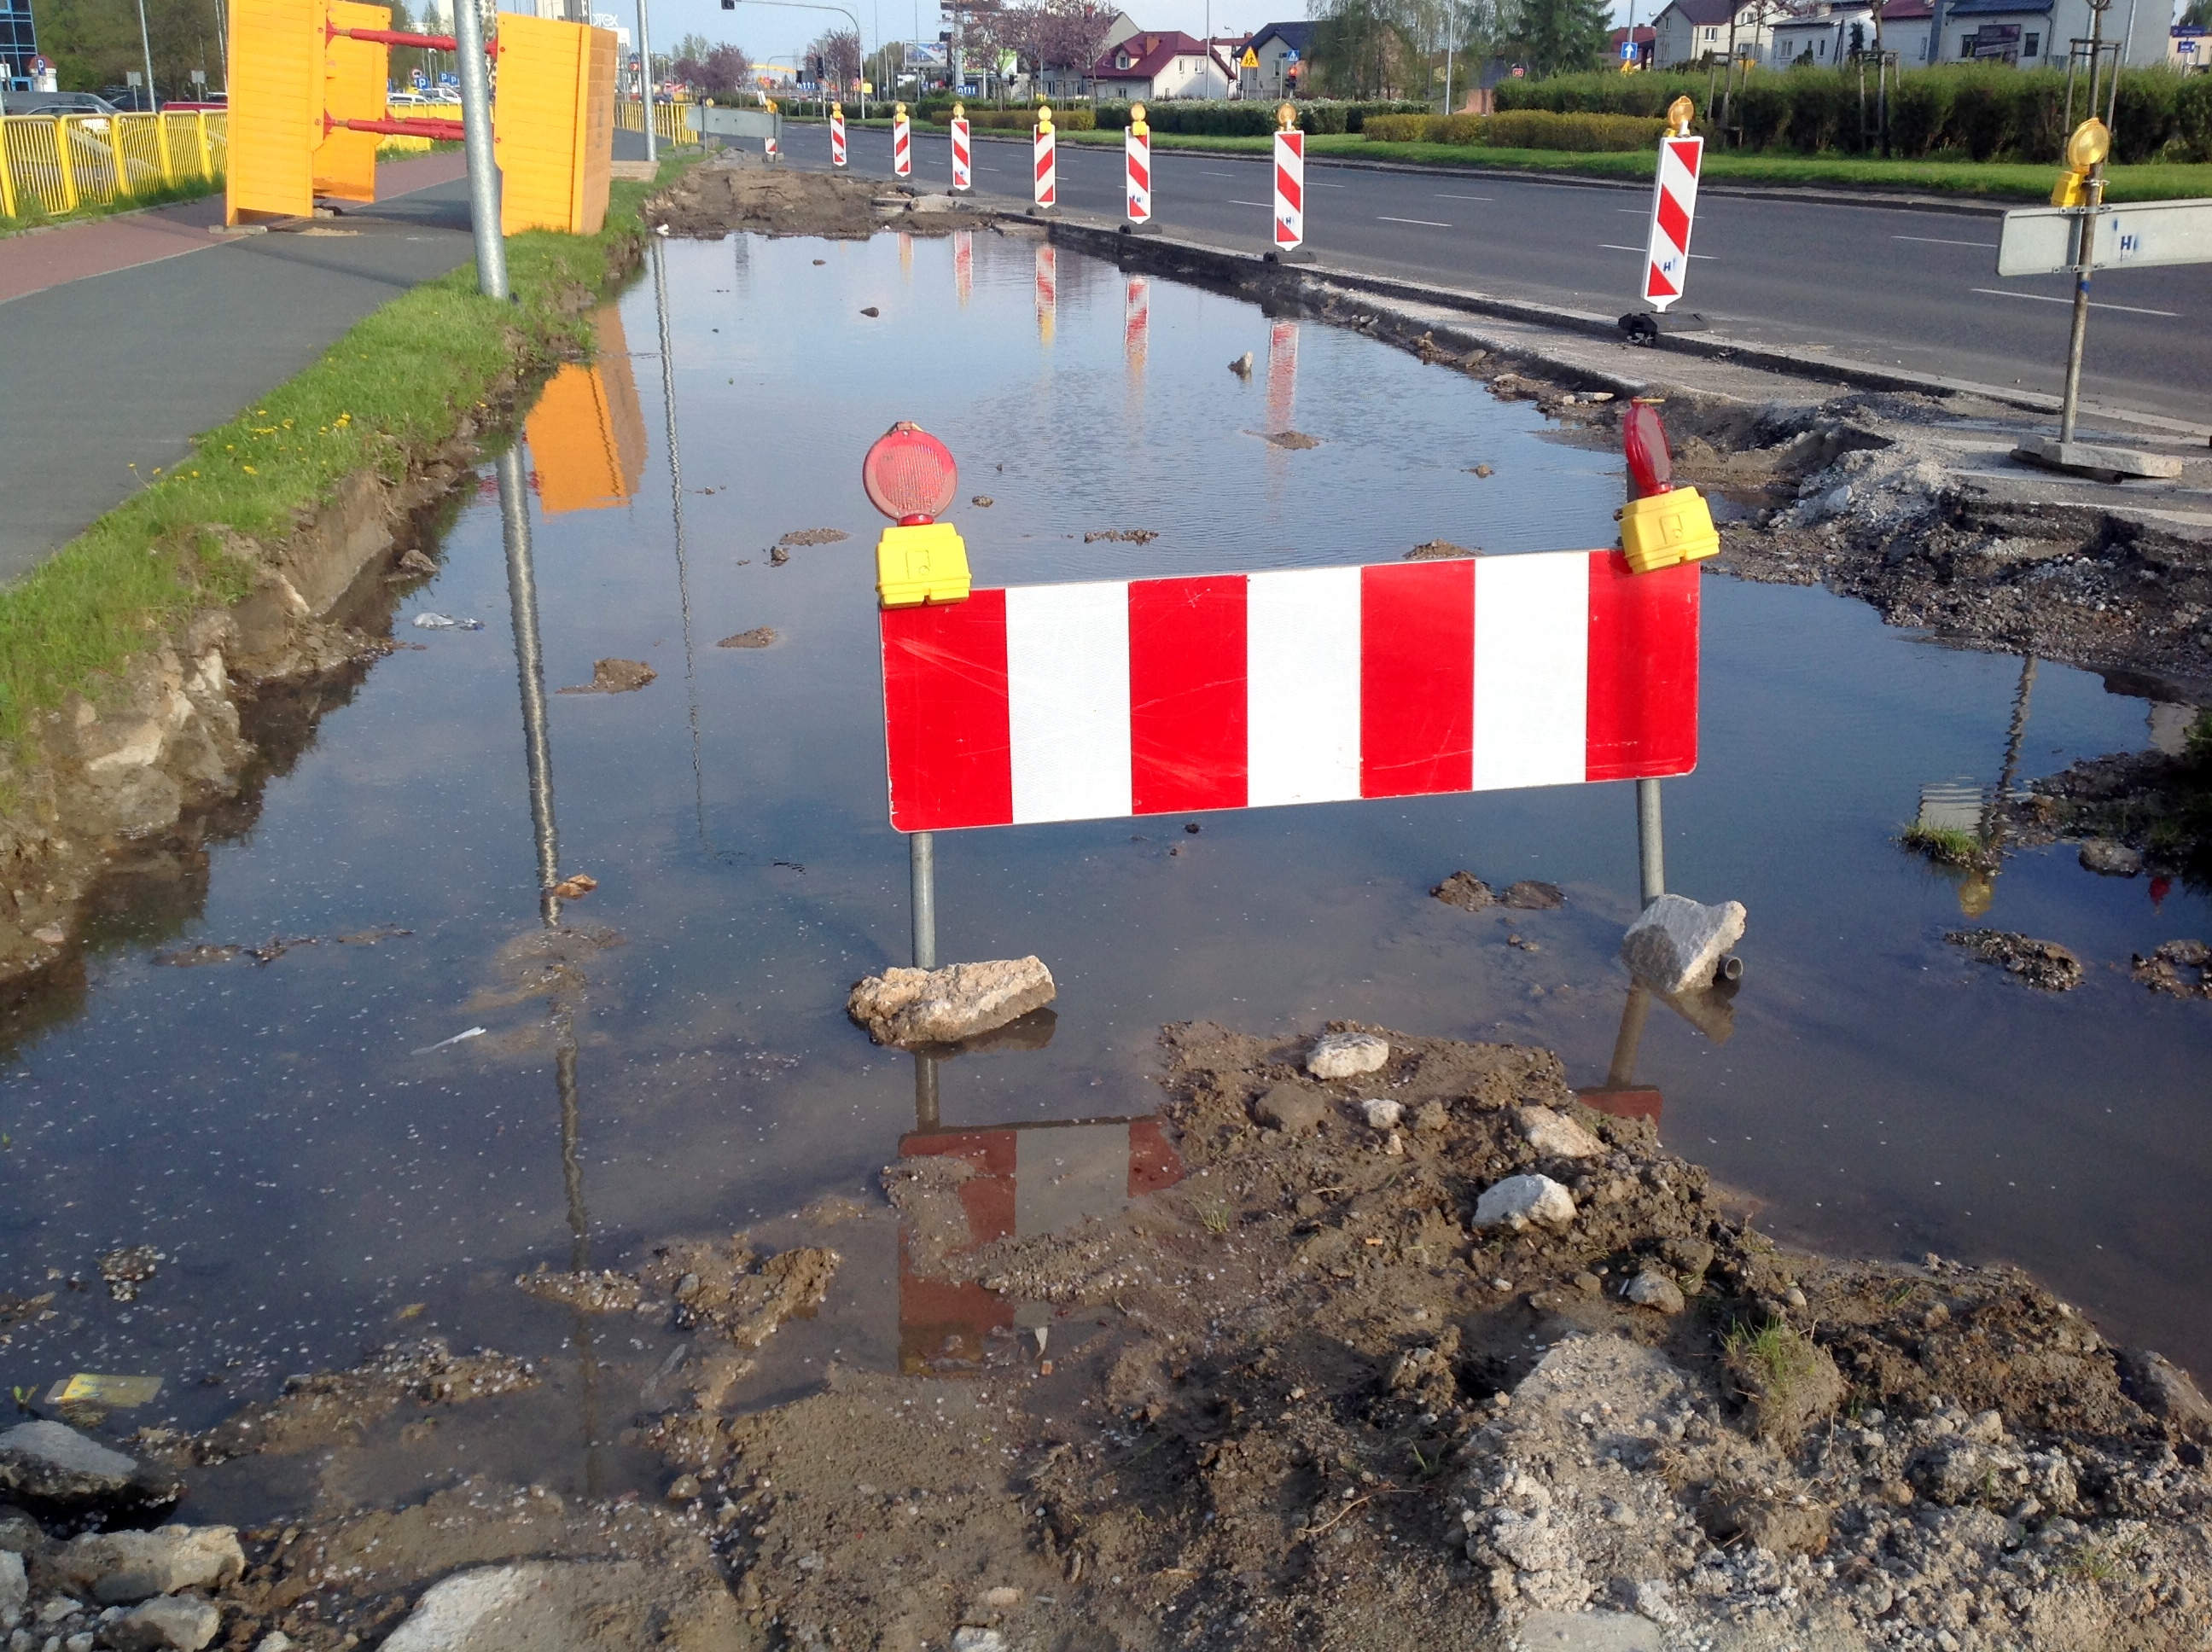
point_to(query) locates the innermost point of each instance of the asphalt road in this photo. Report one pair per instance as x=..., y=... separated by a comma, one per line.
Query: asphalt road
x=105, y=377
x=1897, y=286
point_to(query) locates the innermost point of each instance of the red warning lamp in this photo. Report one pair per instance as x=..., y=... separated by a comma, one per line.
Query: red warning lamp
x=1650, y=461
x=910, y=475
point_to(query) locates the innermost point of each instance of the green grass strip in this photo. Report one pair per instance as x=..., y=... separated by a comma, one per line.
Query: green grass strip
x=401, y=380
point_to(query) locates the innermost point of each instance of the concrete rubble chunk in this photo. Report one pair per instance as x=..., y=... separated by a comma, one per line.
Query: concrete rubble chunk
x=1677, y=944
x=117, y=1568
x=1290, y=1108
x=1381, y=1114
x=1654, y=1289
x=48, y=1463
x=2096, y=459
x=179, y=1622
x=906, y=1007
x=14, y=1591
x=1346, y=1055
x=975, y=1639
x=1519, y=1201
x=567, y=1606
x=1555, y=1136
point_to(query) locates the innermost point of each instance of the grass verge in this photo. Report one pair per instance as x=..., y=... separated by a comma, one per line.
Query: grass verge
x=1945, y=845
x=401, y=380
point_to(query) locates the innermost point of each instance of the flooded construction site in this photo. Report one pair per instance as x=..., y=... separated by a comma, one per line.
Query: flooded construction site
x=335, y=1077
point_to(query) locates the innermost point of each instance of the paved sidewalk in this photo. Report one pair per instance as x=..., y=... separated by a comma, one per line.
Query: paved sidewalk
x=129, y=336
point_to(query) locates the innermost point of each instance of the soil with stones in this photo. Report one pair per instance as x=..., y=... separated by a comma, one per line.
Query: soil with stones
x=737, y=191
x=1339, y=1379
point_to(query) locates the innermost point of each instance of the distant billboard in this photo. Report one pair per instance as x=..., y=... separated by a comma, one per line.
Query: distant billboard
x=928, y=54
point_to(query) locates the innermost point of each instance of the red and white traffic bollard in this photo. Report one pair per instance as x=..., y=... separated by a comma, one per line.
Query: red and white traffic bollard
x=1044, y=169
x=963, y=175
x=1137, y=165
x=1673, y=208
x=1289, y=189
x=836, y=134
x=902, y=142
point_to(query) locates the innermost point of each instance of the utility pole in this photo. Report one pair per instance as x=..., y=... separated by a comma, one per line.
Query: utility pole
x=645, y=80
x=476, y=138
x=146, y=46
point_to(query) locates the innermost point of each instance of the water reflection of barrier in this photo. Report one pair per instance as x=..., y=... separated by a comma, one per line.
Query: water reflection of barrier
x=586, y=434
x=1048, y=291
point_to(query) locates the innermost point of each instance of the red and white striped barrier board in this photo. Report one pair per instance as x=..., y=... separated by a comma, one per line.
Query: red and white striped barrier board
x=963, y=175
x=837, y=140
x=903, y=146
x=1290, y=189
x=1044, y=166
x=1674, y=205
x=1136, y=164
x=1308, y=685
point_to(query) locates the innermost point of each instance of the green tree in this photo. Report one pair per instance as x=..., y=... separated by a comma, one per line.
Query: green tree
x=2198, y=15
x=1560, y=37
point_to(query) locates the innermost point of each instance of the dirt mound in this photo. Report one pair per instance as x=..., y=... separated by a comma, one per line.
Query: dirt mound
x=737, y=192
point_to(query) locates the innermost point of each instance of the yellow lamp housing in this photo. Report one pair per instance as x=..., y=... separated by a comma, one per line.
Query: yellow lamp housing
x=1662, y=530
x=2072, y=189
x=925, y=563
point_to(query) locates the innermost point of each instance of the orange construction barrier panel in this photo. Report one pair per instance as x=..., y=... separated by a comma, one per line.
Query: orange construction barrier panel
x=277, y=85
x=354, y=72
x=553, y=124
x=588, y=432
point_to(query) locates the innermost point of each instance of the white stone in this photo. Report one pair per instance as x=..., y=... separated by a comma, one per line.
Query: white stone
x=15, y=1592
x=454, y=1609
x=1519, y=1200
x=1555, y=1135
x=1346, y=1055
x=176, y=1622
x=119, y=1567
x=1651, y=1289
x=276, y=1641
x=1381, y=1114
x=906, y=1007
x=1676, y=945
x=973, y=1639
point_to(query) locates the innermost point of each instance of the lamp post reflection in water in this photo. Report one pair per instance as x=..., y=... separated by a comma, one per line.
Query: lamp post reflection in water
x=676, y=514
x=538, y=756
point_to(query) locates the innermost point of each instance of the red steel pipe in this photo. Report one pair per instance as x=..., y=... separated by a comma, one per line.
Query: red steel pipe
x=443, y=131
x=395, y=37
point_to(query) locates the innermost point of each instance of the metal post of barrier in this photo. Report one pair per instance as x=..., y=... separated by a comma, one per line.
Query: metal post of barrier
x=529, y=669
x=65, y=162
x=921, y=854
x=476, y=138
x=1650, y=846
x=7, y=176
x=207, y=156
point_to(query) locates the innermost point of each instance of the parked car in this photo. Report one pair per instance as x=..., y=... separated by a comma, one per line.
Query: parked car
x=129, y=98
x=55, y=103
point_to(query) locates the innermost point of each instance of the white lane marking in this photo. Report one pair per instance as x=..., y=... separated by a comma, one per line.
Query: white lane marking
x=1328, y=186
x=1938, y=241
x=1425, y=223
x=1710, y=258
x=1270, y=205
x=2046, y=297
x=1466, y=197
x=1206, y=171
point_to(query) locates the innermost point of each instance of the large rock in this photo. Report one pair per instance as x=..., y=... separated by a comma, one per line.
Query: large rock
x=1654, y=1289
x=47, y=1465
x=178, y=1623
x=1555, y=1136
x=14, y=1591
x=116, y=1567
x=1677, y=944
x=574, y=1606
x=1346, y=1055
x=907, y=1007
x=2164, y=1391
x=1290, y=1108
x=1520, y=1201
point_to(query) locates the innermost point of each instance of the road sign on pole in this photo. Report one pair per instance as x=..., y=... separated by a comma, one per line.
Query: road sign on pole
x=963, y=174
x=2040, y=241
x=1674, y=206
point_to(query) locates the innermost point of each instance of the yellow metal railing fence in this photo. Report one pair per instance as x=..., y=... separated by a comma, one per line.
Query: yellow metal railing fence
x=54, y=164
x=671, y=121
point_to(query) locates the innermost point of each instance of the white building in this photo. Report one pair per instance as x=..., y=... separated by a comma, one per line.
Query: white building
x=1687, y=31
x=2036, y=33
x=1155, y=67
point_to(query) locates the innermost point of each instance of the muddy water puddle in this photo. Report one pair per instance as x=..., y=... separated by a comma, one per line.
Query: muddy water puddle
x=326, y=1153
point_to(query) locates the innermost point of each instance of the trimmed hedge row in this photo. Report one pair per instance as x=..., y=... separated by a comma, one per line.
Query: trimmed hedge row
x=1986, y=114
x=1247, y=117
x=1522, y=129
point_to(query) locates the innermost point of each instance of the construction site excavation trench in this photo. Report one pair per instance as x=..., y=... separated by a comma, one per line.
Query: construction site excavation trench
x=325, y=1082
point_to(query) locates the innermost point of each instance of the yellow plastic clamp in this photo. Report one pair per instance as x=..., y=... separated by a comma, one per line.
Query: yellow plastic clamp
x=926, y=562
x=1664, y=528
